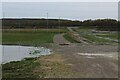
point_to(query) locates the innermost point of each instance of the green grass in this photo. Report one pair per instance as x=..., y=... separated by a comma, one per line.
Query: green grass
x=20, y=69
x=42, y=67
x=112, y=36
x=67, y=37
x=92, y=38
x=84, y=32
x=28, y=37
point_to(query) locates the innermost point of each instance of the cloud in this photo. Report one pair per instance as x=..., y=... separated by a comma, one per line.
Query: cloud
x=60, y=0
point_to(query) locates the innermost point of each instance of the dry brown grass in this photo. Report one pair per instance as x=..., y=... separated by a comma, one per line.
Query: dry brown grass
x=54, y=66
x=73, y=36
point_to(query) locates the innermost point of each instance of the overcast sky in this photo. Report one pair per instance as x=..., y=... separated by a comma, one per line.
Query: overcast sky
x=60, y=0
x=65, y=10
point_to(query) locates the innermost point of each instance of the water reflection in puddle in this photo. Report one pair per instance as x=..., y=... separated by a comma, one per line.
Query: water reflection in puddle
x=17, y=53
x=113, y=55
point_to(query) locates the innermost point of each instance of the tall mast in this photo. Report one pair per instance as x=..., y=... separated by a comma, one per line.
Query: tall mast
x=3, y=13
x=59, y=24
x=47, y=21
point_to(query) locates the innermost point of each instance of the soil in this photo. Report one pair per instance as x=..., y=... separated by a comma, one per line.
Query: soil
x=89, y=66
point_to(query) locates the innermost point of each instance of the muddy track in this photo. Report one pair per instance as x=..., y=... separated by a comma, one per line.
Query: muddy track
x=90, y=66
x=80, y=39
x=59, y=39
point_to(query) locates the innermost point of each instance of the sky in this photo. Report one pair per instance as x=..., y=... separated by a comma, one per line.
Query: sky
x=60, y=0
x=63, y=10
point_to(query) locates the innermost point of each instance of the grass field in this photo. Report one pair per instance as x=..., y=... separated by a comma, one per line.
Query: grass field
x=94, y=37
x=97, y=40
x=83, y=30
x=70, y=39
x=42, y=67
x=51, y=66
x=29, y=36
x=112, y=36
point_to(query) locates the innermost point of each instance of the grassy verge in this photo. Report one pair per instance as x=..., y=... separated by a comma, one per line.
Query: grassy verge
x=20, y=69
x=112, y=36
x=70, y=39
x=97, y=40
x=29, y=36
x=51, y=66
x=83, y=30
x=87, y=34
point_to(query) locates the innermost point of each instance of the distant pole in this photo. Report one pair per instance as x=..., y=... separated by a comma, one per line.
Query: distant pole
x=3, y=14
x=47, y=21
x=3, y=45
x=19, y=30
x=59, y=24
x=19, y=25
x=3, y=18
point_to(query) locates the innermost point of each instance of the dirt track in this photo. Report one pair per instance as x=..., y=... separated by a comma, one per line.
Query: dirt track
x=90, y=66
x=59, y=39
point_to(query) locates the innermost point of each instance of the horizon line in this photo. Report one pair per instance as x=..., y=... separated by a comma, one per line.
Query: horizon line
x=55, y=18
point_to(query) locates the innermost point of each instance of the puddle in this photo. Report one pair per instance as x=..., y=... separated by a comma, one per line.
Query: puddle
x=90, y=57
x=90, y=54
x=17, y=53
x=113, y=55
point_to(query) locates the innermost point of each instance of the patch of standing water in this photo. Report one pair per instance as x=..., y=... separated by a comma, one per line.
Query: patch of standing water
x=113, y=55
x=17, y=53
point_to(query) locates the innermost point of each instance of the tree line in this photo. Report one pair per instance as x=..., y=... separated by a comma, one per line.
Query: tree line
x=108, y=24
